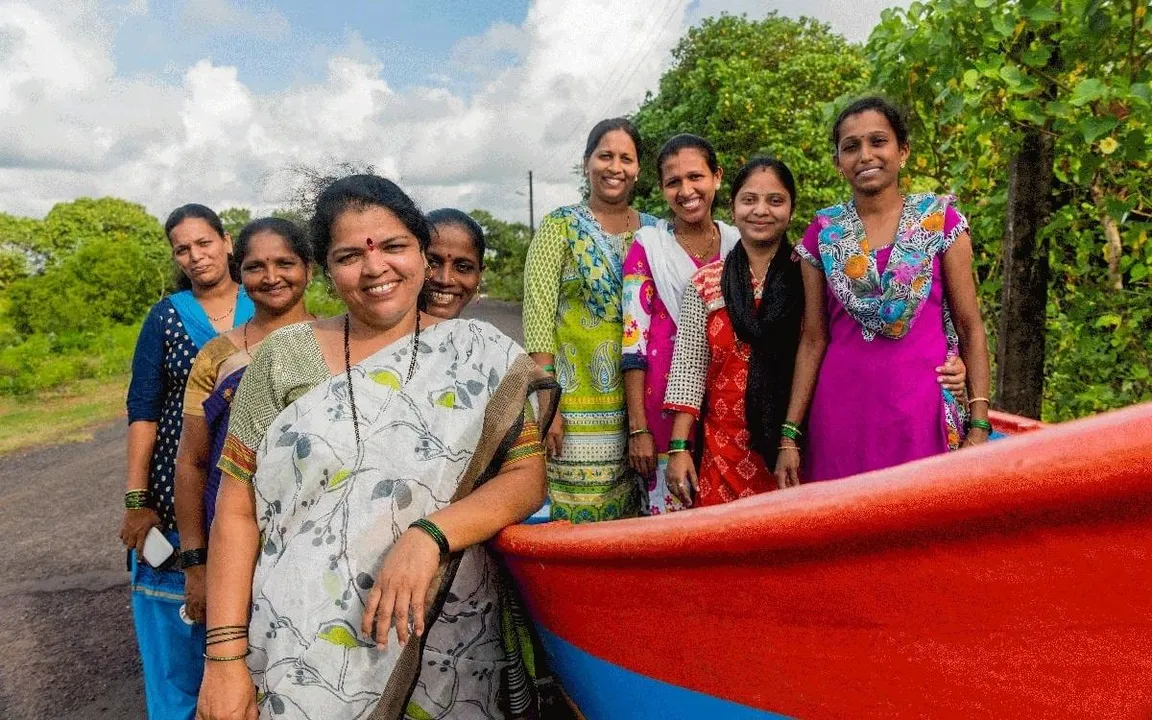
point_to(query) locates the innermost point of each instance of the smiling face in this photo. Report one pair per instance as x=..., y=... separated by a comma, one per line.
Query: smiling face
x=200, y=251
x=612, y=168
x=274, y=276
x=689, y=185
x=455, y=271
x=762, y=208
x=868, y=154
x=379, y=280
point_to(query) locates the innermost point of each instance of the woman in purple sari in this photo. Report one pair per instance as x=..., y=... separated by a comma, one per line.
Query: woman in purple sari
x=275, y=261
x=889, y=296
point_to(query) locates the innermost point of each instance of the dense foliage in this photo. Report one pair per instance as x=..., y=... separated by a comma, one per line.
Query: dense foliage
x=754, y=87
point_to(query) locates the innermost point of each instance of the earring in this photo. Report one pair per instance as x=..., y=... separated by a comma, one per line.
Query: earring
x=902, y=163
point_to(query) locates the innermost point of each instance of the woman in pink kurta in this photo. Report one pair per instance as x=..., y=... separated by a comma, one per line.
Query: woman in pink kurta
x=889, y=296
x=657, y=270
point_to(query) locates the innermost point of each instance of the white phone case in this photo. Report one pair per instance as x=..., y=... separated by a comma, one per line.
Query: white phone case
x=157, y=549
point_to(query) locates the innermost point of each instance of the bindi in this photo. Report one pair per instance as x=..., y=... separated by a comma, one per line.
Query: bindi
x=371, y=245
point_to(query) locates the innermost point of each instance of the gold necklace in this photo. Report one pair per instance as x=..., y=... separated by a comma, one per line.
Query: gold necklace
x=230, y=310
x=707, y=252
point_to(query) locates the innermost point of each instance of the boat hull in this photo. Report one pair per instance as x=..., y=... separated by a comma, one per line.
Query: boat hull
x=1010, y=580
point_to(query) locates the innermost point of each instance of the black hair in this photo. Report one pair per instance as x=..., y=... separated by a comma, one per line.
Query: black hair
x=765, y=162
x=200, y=212
x=360, y=192
x=686, y=141
x=292, y=234
x=891, y=113
x=461, y=219
x=602, y=128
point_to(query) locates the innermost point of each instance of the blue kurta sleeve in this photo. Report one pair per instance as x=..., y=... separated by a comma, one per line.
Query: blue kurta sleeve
x=146, y=391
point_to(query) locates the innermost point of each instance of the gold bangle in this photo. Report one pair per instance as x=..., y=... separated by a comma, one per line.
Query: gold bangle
x=217, y=658
x=788, y=447
x=673, y=451
x=979, y=399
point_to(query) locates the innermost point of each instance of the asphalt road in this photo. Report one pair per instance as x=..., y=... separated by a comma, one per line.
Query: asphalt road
x=68, y=649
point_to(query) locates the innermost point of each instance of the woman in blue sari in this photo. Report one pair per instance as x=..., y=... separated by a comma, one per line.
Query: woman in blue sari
x=275, y=261
x=175, y=330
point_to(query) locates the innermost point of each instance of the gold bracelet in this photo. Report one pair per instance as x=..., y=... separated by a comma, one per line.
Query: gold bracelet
x=979, y=399
x=217, y=658
x=788, y=447
x=677, y=450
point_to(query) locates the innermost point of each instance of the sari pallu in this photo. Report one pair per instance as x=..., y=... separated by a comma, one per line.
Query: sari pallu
x=329, y=512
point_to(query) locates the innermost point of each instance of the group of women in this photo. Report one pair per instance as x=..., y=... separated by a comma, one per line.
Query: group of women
x=702, y=362
x=330, y=481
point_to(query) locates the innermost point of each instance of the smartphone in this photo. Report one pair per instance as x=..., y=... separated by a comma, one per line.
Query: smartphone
x=157, y=549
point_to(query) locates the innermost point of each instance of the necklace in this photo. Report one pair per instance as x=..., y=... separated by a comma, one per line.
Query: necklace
x=230, y=310
x=706, y=253
x=348, y=371
x=246, y=336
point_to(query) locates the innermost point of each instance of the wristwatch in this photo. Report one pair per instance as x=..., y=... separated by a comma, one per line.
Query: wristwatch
x=194, y=557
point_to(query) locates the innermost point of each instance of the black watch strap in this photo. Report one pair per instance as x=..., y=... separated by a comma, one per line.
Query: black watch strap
x=192, y=558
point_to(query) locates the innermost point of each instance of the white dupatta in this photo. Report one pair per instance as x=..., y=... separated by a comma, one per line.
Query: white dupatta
x=672, y=268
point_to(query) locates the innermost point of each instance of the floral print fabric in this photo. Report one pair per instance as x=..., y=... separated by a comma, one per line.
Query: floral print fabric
x=329, y=512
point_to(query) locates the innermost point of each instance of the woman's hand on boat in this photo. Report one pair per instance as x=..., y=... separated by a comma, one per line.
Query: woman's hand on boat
x=953, y=376
x=642, y=454
x=681, y=477
x=554, y=438
x=788, y=466
x=227, y=692
x=976, y=436
x=135, y=526
x=401, y=588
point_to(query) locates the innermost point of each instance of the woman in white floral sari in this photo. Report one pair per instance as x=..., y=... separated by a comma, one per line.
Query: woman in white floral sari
x=368, y=457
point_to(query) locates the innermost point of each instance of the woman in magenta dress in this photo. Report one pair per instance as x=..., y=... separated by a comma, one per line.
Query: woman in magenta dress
x=657, y=269
x=889, y=295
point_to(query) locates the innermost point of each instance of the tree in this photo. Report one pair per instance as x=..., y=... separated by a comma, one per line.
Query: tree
x=234, y=219
x=71, y=224
x=1041, y=126
x=754, y=87
x=506, y=248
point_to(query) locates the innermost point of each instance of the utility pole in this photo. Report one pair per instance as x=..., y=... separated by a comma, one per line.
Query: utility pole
x=531, y=207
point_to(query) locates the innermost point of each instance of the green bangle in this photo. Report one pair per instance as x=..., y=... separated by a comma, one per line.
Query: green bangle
x=434, y=531
x=136, y=499
x=791, y=431
x=549, y=368
x=982, y=424
x=677, y=445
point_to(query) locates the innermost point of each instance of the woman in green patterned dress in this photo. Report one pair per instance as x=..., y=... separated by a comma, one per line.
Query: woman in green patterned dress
x=573, y=326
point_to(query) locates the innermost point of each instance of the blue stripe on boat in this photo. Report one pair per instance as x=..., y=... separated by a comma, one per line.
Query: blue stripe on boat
x=603, y=690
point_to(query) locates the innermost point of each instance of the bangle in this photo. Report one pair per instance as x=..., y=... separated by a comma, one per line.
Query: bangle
x=433, y=531
x=641, y=431
x=791, y=431
x=194, y=557
x=222, y=628
x=136, y=500
x=979, y=399
x=549, y=368
x=673, y=451
x=677, y=444
x=217, y=658
x=982, y=424
x=788, y=447
x=217, y=639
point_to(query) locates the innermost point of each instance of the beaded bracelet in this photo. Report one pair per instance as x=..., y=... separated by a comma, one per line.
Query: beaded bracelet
x=434, y=531
x=641, y=431
x=136, y=499
x=982, y=424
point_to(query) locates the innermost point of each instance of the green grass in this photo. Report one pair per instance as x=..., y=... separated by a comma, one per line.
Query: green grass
x=66, y=414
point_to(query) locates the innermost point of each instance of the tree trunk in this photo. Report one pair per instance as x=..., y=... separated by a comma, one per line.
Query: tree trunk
x=1023, y=317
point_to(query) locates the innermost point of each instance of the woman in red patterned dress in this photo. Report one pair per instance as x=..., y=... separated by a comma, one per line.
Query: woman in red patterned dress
x=736, y=344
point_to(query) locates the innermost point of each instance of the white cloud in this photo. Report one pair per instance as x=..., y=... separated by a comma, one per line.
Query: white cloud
x=70, y=126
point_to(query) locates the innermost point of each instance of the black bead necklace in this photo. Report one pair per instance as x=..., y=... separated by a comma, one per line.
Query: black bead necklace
x=348, y=371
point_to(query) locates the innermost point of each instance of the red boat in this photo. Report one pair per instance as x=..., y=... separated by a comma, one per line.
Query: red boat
x=1012, y=580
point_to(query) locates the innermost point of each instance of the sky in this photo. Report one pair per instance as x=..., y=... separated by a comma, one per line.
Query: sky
x=164, y=102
